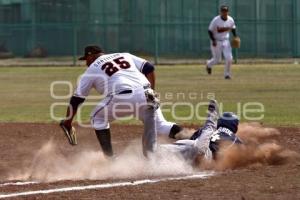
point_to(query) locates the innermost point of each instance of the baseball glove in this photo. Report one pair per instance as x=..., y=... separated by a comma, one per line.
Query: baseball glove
x=152, y=98
x=236, y=42
x=69, y=132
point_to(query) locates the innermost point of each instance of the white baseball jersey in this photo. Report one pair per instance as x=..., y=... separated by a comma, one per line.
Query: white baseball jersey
x=112, y=73
x=217, y=23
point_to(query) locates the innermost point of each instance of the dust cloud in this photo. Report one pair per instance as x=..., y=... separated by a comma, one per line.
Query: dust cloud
x=261, y=147
x=51, y=165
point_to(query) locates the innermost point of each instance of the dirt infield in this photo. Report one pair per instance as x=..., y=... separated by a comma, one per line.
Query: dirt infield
x=21, y=142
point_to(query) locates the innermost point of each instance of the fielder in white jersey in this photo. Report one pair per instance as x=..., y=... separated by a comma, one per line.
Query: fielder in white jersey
x=218, y=31
x=127, y=82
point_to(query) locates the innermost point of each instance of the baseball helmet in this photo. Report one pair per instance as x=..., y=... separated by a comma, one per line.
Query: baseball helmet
x=229, y=120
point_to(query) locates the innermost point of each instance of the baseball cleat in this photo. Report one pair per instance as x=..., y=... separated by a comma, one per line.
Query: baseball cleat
x=227, y=77
x=213, y=105
x=213, y=113
x=208, y=69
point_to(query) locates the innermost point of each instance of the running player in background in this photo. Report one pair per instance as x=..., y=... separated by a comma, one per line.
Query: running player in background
x=218, y=31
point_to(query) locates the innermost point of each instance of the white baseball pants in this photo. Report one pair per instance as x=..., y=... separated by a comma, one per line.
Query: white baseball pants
x=107, y=111
x=222, y=47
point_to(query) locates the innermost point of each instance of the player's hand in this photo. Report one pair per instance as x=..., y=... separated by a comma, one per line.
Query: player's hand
x=152, y=98
x=214, y=43
x=69, y=131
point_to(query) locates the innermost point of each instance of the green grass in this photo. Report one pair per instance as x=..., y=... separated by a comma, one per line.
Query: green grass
x=25, y=91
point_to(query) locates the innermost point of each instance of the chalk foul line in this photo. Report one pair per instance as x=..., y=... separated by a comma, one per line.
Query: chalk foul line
x=106, y=185
x=18, y=183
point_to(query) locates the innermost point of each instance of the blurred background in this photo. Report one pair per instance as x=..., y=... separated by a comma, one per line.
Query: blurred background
x=152, y=28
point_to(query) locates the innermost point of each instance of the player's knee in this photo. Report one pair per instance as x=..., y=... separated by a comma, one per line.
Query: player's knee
x=164, y=127
x=228, y=58
x=216, y=60
x=99, y=123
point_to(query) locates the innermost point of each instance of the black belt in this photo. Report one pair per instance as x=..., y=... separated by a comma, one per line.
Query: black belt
x=125, y=92
x=130, y=91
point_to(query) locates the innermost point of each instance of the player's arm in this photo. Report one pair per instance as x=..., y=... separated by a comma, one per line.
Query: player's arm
x=233, y=29
x=149, y=71
x=212, y=38
x=210, y=32
x=211, y=35
x=234, y=32
x=84, y=86
x=146, y=68
x=66, y=124
x=75, y=101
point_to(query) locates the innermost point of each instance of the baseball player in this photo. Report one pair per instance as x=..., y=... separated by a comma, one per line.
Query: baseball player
x=206, y=140
x=218, y=31
x=127, y=82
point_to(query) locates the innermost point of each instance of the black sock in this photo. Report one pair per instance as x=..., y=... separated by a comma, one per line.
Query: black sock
x=174, y=130
x=105, y=141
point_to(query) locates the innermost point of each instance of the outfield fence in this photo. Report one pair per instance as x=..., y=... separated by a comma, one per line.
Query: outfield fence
x=155, y=28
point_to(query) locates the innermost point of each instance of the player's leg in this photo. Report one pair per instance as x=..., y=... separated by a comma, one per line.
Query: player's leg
x=150, y=135
x=104, y=139
x=212, y=115
x=165, y=127
x=211, y=119
x=183, y=147
x=111, y=108
x=203, y=140
x=189, y=149
x=100, y=122
x=147, y=108
x=216, y=56
x=227, y=52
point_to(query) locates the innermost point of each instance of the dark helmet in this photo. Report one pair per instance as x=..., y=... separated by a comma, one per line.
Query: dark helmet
x=229, y=120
